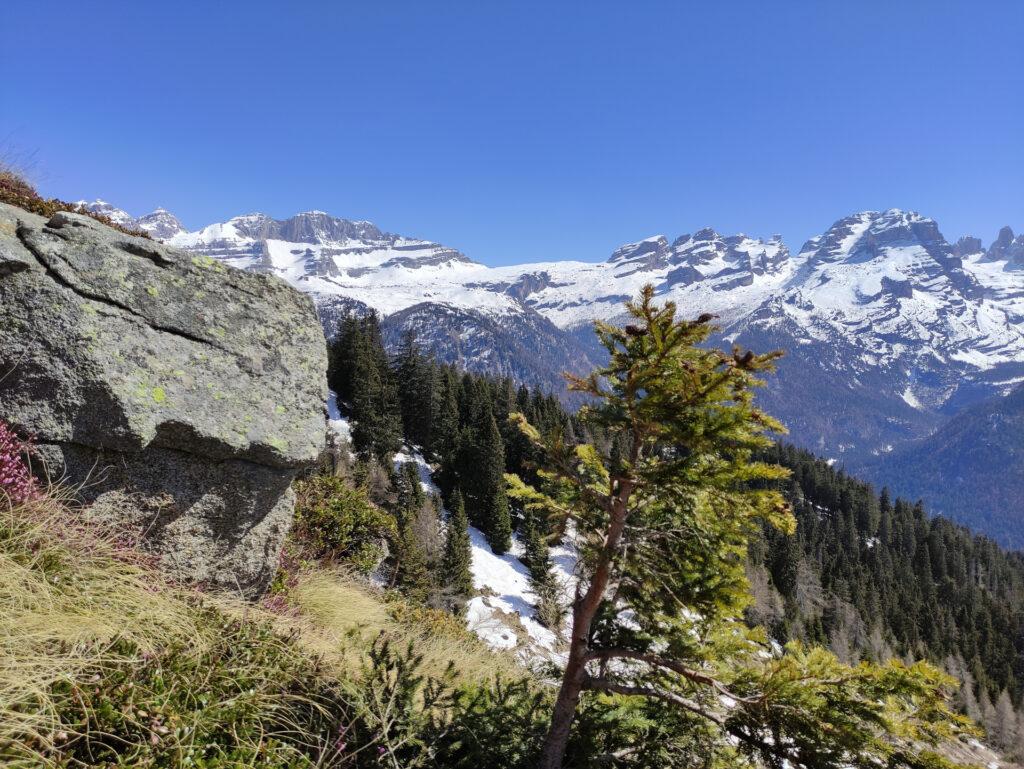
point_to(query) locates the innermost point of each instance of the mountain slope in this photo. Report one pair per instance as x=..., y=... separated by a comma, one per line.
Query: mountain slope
x=971, y=469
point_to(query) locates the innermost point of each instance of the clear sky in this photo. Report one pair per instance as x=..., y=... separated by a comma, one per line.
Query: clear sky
x=520, y=131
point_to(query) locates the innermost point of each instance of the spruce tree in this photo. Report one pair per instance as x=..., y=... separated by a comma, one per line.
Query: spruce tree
x=536, y=553
x=414, y=375
x=411, y=573
x=458, y=555
x=495, y=517
x=372, y=395
x=543, y=582
x=411, y=570
x=662, y=538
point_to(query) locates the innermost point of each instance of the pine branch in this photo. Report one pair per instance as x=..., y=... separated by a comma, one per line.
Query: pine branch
x=654, y=692
x=675, y=666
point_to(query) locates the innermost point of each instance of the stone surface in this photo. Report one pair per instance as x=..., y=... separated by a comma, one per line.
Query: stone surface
x=180, y=394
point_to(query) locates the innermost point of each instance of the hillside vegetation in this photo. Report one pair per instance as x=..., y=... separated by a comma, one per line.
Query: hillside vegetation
x=103, y=662
x=873, y=577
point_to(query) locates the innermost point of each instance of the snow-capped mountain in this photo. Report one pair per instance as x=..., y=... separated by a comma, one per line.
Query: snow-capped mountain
x=888, y=328
x=103, y=208
x=887, y=331
x=160, y=224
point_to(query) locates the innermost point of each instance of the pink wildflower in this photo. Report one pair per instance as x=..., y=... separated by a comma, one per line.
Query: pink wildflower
x=17, y=484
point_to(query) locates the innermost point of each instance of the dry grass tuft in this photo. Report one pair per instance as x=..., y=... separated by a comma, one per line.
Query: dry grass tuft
x=339, y=617
x=79, y=605
x=64, y=601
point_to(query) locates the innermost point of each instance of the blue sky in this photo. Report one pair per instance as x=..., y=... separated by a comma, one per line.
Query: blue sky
x=526, y=131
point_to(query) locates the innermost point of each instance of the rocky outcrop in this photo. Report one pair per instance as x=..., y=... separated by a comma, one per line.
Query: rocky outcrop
x=1007, y=247
x=178, y=395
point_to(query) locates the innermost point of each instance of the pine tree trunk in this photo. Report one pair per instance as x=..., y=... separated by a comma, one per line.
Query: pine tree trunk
x=584, y=611
x=565, y=708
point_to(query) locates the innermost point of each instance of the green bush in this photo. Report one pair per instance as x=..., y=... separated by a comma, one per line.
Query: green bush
x=337, y=523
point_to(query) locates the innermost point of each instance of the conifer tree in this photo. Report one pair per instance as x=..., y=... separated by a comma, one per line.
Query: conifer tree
x=360, y=375
x=414, y=375
x=411, y=570
x=662, y=535
x=458, y=555
x=543, y=582
x=496, y=519
x=536, y=553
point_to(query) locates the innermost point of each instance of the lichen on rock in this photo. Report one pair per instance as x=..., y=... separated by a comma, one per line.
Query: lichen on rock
x=182, y=399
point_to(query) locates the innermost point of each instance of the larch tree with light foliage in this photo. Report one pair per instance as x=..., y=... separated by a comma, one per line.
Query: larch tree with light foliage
x=661, y=523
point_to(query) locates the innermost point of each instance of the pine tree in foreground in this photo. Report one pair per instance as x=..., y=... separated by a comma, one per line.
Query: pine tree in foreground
x=662, y=529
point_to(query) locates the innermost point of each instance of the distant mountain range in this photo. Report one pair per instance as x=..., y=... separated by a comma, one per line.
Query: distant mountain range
x=889, y=329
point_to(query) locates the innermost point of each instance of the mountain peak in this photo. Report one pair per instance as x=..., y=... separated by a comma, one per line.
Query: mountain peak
x=866, y=235
x=1007, y=247
x=160, y=224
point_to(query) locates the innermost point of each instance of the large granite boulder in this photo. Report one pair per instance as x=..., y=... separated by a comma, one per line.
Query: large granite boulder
x=178, y=395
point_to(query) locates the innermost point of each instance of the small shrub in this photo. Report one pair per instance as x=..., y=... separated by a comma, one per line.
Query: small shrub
x=500, y=724
x=16, y=481
x=436, y=623
x=337, y=523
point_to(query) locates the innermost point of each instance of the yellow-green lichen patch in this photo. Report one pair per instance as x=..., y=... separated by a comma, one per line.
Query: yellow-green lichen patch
x=207, y=263
x=158, y=394
x=279, y=410
x=152, y=290
x=278, y=443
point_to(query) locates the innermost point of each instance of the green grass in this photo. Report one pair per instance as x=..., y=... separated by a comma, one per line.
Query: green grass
x=103, y=662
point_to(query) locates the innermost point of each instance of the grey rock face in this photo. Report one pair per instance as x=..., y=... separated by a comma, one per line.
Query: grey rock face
x=967, y=246
x=182, y=395
x=1000, y=246
x=1007, y=247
